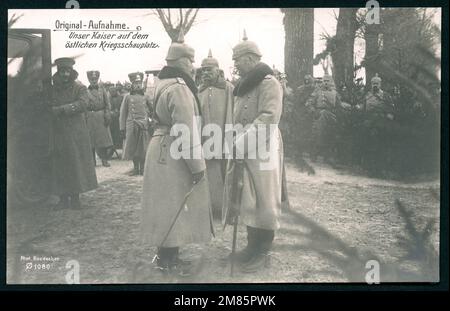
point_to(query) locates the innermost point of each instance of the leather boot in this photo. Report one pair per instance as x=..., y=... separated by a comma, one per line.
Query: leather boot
x=165, y=258
x=63, y=202
x=245, y=255
x=135, y=170
x=141, y=168
x=261, y=257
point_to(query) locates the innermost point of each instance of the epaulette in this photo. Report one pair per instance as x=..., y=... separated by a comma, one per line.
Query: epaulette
x=180, y=80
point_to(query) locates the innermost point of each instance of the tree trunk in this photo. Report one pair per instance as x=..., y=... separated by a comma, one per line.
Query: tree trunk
x=342, y=55
x=298, y=47
x=372, y=49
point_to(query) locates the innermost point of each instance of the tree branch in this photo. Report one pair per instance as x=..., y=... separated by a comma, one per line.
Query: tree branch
x=190, y=23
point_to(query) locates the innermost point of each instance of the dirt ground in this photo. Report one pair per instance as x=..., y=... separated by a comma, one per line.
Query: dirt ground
x=338, y=221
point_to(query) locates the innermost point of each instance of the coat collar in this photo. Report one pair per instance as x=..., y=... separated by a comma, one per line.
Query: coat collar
x=220, y=84
x=252, y=79
x=169, y=72
x=58, y=82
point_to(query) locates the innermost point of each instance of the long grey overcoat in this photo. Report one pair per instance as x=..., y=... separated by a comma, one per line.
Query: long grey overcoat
x=168, y=179
x=262, y=176
x=73, y=168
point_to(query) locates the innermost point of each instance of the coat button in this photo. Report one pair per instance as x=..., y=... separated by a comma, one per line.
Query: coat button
x=245, y=106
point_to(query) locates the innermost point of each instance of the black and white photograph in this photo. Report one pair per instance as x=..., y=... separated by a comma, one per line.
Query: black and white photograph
x=223, y=145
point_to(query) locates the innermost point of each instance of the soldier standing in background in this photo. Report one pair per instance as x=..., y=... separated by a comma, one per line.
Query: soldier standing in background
x=378, y=112
x=303, y=124
x=116, y=101
x=322, y=104
x=73, y=168
x=98, y=117
x=216, y=100
x=134, y=123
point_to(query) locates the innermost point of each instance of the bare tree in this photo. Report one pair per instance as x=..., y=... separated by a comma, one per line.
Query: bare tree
x=173, y=22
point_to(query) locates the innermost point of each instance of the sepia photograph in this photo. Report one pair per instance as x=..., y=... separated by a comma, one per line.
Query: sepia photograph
x=223, y=145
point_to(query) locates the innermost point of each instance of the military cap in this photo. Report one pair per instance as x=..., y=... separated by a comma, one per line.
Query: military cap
x=179, y=49
x=65, y=62
x=136, y=76
x=210, y=61
x=245, y=47
x=376, y=78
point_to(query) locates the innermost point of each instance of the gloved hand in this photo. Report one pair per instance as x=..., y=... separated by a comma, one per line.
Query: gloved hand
x=197, y=177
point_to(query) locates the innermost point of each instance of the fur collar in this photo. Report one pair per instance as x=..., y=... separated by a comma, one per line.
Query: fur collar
x=220, y=84
x=252, y=79
x=58, y=82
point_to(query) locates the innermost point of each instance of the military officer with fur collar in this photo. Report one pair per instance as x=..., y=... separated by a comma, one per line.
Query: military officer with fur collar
x=257, y=107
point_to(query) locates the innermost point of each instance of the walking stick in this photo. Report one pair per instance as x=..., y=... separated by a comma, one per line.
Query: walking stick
x=236, y=193
x=233, y=248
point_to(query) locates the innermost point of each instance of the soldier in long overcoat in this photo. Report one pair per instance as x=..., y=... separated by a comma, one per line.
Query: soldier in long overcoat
x=98, y=117
x=176, y=205
x=216, y=99
x=134, y=123
x=323, y=104
x=303, y=123
x=257, y=107
x=378, y=114
x=116, y=102
x=72, y=163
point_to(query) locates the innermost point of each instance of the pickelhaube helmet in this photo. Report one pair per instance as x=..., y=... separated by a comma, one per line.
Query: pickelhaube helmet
x=179, y=49
x=245, y=47
x=92, y=74
x=376, y=78
x=210, y=61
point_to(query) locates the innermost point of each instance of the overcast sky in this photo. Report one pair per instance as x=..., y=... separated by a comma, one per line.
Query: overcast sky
x=218, y=29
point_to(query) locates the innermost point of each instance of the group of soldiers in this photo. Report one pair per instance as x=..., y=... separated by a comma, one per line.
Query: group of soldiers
x=81, y=126
x=180, y=196
x=314, y=116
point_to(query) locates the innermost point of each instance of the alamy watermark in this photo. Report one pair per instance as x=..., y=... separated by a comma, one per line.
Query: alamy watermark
x=373, y=12
x=253, y=141
x=373, y=275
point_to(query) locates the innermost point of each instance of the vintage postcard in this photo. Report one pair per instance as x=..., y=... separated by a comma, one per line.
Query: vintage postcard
x=223, y=145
